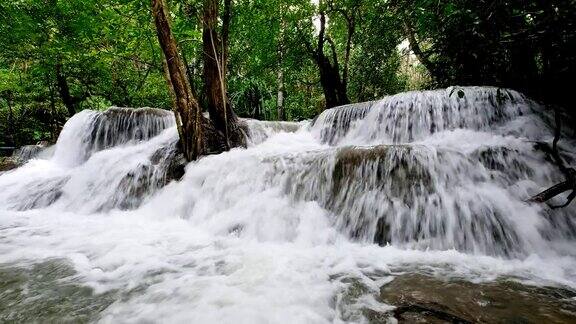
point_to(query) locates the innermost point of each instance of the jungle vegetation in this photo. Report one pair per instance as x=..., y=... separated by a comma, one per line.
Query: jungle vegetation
x=282, y=59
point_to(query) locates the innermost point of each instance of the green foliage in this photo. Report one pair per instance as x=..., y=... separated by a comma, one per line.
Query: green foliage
x=526, y=45
x=264, y=29
x=108, y=54
x=375, y=57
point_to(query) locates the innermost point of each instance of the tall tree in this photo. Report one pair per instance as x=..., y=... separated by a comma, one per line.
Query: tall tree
x=334, y=75
x=70, y=101
x=280, y=109
x=525, y=45
x=333, y=86
x=198, y=135
x=186, y=108
x=215, y=46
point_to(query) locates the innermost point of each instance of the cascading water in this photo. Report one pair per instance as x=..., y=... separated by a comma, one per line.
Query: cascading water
x=103, y=160
x=89, y=132
x=281, y=231
x=28, y=152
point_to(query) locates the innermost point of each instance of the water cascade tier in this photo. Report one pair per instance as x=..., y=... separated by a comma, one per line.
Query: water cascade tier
x=304, y=225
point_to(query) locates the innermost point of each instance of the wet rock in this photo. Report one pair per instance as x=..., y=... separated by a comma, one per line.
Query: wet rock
x=335, y=123
x=424, y=299
x=133, y=188
x=172, y=160
x=509, y=164
x=415, y=115
x=395, y=168
x=363, y=178
x=166, y=164
x=399, y=194
x=8, y=163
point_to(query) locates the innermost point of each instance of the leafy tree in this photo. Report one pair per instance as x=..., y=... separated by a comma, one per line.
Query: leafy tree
x=526, y=45
x=284, y=60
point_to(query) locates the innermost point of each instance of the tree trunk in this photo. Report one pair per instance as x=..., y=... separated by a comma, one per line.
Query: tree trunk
x=332, y=86
x=54, y=129
x=434, y=70
x=9, y=98
x=64, y=91
x=186, y=108
x=198, y=135
x=280, y=75
x=190, y=76
x=569, y=173
x=254, y=100
x=280, y=99
x=215, y=62
x=351, y=24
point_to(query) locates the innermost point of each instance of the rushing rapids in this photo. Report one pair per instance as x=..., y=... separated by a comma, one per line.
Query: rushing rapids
x=284, y=230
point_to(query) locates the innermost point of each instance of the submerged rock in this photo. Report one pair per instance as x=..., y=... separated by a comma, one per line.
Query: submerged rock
x=404, y=194
x=27, y=152
x=425, y=299
x=395, y=167
x=39, y=194
x=46, y=292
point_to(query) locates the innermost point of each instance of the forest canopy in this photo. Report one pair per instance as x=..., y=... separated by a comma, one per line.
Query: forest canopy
x=288, y=60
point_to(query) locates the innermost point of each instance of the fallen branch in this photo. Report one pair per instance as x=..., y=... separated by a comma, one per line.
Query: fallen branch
x=569, y=173
x=555, y=190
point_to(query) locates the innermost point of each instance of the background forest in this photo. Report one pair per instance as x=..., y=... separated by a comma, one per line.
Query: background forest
x=288, y=59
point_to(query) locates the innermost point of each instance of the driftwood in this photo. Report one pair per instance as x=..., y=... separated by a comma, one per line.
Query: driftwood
x=569, y=173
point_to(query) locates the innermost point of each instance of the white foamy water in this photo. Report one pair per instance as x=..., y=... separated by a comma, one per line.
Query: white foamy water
x=429, y=181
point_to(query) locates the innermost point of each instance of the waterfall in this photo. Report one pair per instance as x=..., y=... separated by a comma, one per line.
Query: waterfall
x=27, y=152
x=412, y=116
x=89, y=131
x=259, y=131
x=102, y=160
x=435, y=180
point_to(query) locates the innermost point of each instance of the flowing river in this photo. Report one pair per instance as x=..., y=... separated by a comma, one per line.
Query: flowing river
x=315, y=222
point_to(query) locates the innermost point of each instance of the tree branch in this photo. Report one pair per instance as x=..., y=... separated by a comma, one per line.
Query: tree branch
x=334, y=54
x=226, y=16
x=320, y=48
x=415, y=47
x=351, y=29
x=569, y=173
